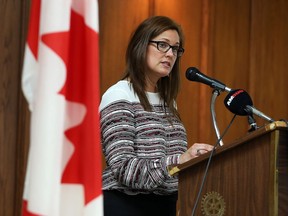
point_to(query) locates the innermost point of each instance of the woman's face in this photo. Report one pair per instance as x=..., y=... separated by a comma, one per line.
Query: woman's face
x=159, y=63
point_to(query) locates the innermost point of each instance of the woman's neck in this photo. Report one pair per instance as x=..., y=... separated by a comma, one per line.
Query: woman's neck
x=151, y=85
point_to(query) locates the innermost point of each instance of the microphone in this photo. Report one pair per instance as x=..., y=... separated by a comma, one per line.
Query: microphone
x=251, y=109
x=193, y=74
x=239, y=102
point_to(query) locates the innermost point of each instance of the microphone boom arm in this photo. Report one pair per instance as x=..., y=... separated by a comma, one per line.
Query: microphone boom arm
x=213, y=114
x=252, y=110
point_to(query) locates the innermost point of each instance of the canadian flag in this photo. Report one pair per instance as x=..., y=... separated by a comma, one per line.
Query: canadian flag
x=61, y=84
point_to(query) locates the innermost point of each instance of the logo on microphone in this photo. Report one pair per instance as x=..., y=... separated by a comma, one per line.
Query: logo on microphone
x=229, y=101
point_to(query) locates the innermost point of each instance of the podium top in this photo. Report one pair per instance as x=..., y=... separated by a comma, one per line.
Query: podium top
x=252, y=135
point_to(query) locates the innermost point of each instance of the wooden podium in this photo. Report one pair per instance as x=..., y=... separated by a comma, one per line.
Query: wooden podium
x=248, y=177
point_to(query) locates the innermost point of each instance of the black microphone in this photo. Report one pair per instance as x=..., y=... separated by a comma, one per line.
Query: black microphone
x=239, y=102
x=193, y=74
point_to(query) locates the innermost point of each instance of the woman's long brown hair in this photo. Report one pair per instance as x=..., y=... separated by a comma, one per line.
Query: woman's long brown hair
x=168, y=86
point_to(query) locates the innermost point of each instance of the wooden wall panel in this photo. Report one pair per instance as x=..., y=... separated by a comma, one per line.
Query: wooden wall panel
x=269, y=57
x=248, y=46
x=12, y=144
x=229, y=57
x=117, y=21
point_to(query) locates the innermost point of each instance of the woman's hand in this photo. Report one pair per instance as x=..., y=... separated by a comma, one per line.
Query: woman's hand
x=194, y=151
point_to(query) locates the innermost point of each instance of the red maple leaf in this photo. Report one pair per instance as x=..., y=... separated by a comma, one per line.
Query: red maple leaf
x=78, y=49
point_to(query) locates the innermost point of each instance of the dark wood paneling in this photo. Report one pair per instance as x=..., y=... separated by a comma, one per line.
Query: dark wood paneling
x=269, y=54
x=117, y=21
x=229, y=57
x=12, y=25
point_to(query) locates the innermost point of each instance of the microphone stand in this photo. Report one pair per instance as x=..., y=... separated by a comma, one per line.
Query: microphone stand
x=252, y=123
x=216, y=93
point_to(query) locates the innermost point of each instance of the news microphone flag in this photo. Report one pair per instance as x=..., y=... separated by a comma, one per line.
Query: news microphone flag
x=60, y=81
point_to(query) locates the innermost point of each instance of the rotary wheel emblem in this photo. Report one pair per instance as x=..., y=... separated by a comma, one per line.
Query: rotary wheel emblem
x=213, y=204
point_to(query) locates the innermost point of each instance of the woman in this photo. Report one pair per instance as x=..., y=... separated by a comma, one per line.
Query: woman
x=142, y=134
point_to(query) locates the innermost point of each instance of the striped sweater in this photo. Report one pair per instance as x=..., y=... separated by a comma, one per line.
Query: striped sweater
x=138, y=145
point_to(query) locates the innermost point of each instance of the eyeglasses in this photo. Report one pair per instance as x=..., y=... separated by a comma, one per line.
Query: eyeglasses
x=164, y=47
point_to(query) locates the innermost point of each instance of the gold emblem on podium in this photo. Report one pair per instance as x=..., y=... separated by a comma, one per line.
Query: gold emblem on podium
x=213, y=204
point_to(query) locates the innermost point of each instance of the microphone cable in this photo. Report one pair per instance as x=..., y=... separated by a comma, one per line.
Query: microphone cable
x=208, y=164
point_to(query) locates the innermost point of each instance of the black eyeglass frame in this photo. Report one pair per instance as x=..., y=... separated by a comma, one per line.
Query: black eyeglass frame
x=180, y=50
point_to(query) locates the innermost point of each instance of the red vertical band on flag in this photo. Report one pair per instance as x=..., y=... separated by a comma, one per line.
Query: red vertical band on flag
x=33, y=31
x=82, y=86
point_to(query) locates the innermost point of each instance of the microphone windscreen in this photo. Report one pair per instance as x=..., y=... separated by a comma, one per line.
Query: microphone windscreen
x=191, y=73
x=237, y=100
